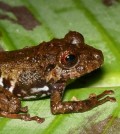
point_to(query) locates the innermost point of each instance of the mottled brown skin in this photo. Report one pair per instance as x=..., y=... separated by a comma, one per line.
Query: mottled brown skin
x=35, y=72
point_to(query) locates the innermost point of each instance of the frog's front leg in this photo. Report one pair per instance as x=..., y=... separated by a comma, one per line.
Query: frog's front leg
x=60, y=107
x=10, y=107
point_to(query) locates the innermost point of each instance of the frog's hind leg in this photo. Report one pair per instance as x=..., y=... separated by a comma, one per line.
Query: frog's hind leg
x=25, y=117
x=60, y=107
x=10, y=107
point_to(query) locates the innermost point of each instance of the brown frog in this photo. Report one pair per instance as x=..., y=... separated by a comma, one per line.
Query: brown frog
x=38, y=71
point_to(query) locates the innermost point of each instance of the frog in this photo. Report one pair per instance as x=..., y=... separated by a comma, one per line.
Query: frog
x=44, y=70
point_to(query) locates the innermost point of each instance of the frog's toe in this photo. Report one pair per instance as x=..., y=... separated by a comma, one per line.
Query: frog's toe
x=38, y=119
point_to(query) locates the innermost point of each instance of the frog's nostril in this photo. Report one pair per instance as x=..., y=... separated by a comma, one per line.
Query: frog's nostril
x=97, y=56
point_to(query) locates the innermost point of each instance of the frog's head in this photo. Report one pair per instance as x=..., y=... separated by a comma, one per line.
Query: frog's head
x=74, y=57
x=77, y=58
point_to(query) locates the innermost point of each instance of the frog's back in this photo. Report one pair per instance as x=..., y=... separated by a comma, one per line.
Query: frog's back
x=15, y=55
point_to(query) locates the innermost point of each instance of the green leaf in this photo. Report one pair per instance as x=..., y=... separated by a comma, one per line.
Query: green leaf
x=100, y=25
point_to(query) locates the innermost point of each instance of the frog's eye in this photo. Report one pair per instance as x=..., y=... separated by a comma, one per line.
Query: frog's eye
x=69, y=59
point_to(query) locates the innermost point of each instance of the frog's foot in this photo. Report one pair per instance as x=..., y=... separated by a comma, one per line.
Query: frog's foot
x=103, y=94
x=25, y=117
x=38, y=119
x=58, y=107
x=100, y=96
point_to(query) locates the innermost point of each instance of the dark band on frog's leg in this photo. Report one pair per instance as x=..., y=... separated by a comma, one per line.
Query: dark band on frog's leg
x=59, y=107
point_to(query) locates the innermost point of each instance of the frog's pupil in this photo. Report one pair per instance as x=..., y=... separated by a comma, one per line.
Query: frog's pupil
x=70, y=58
